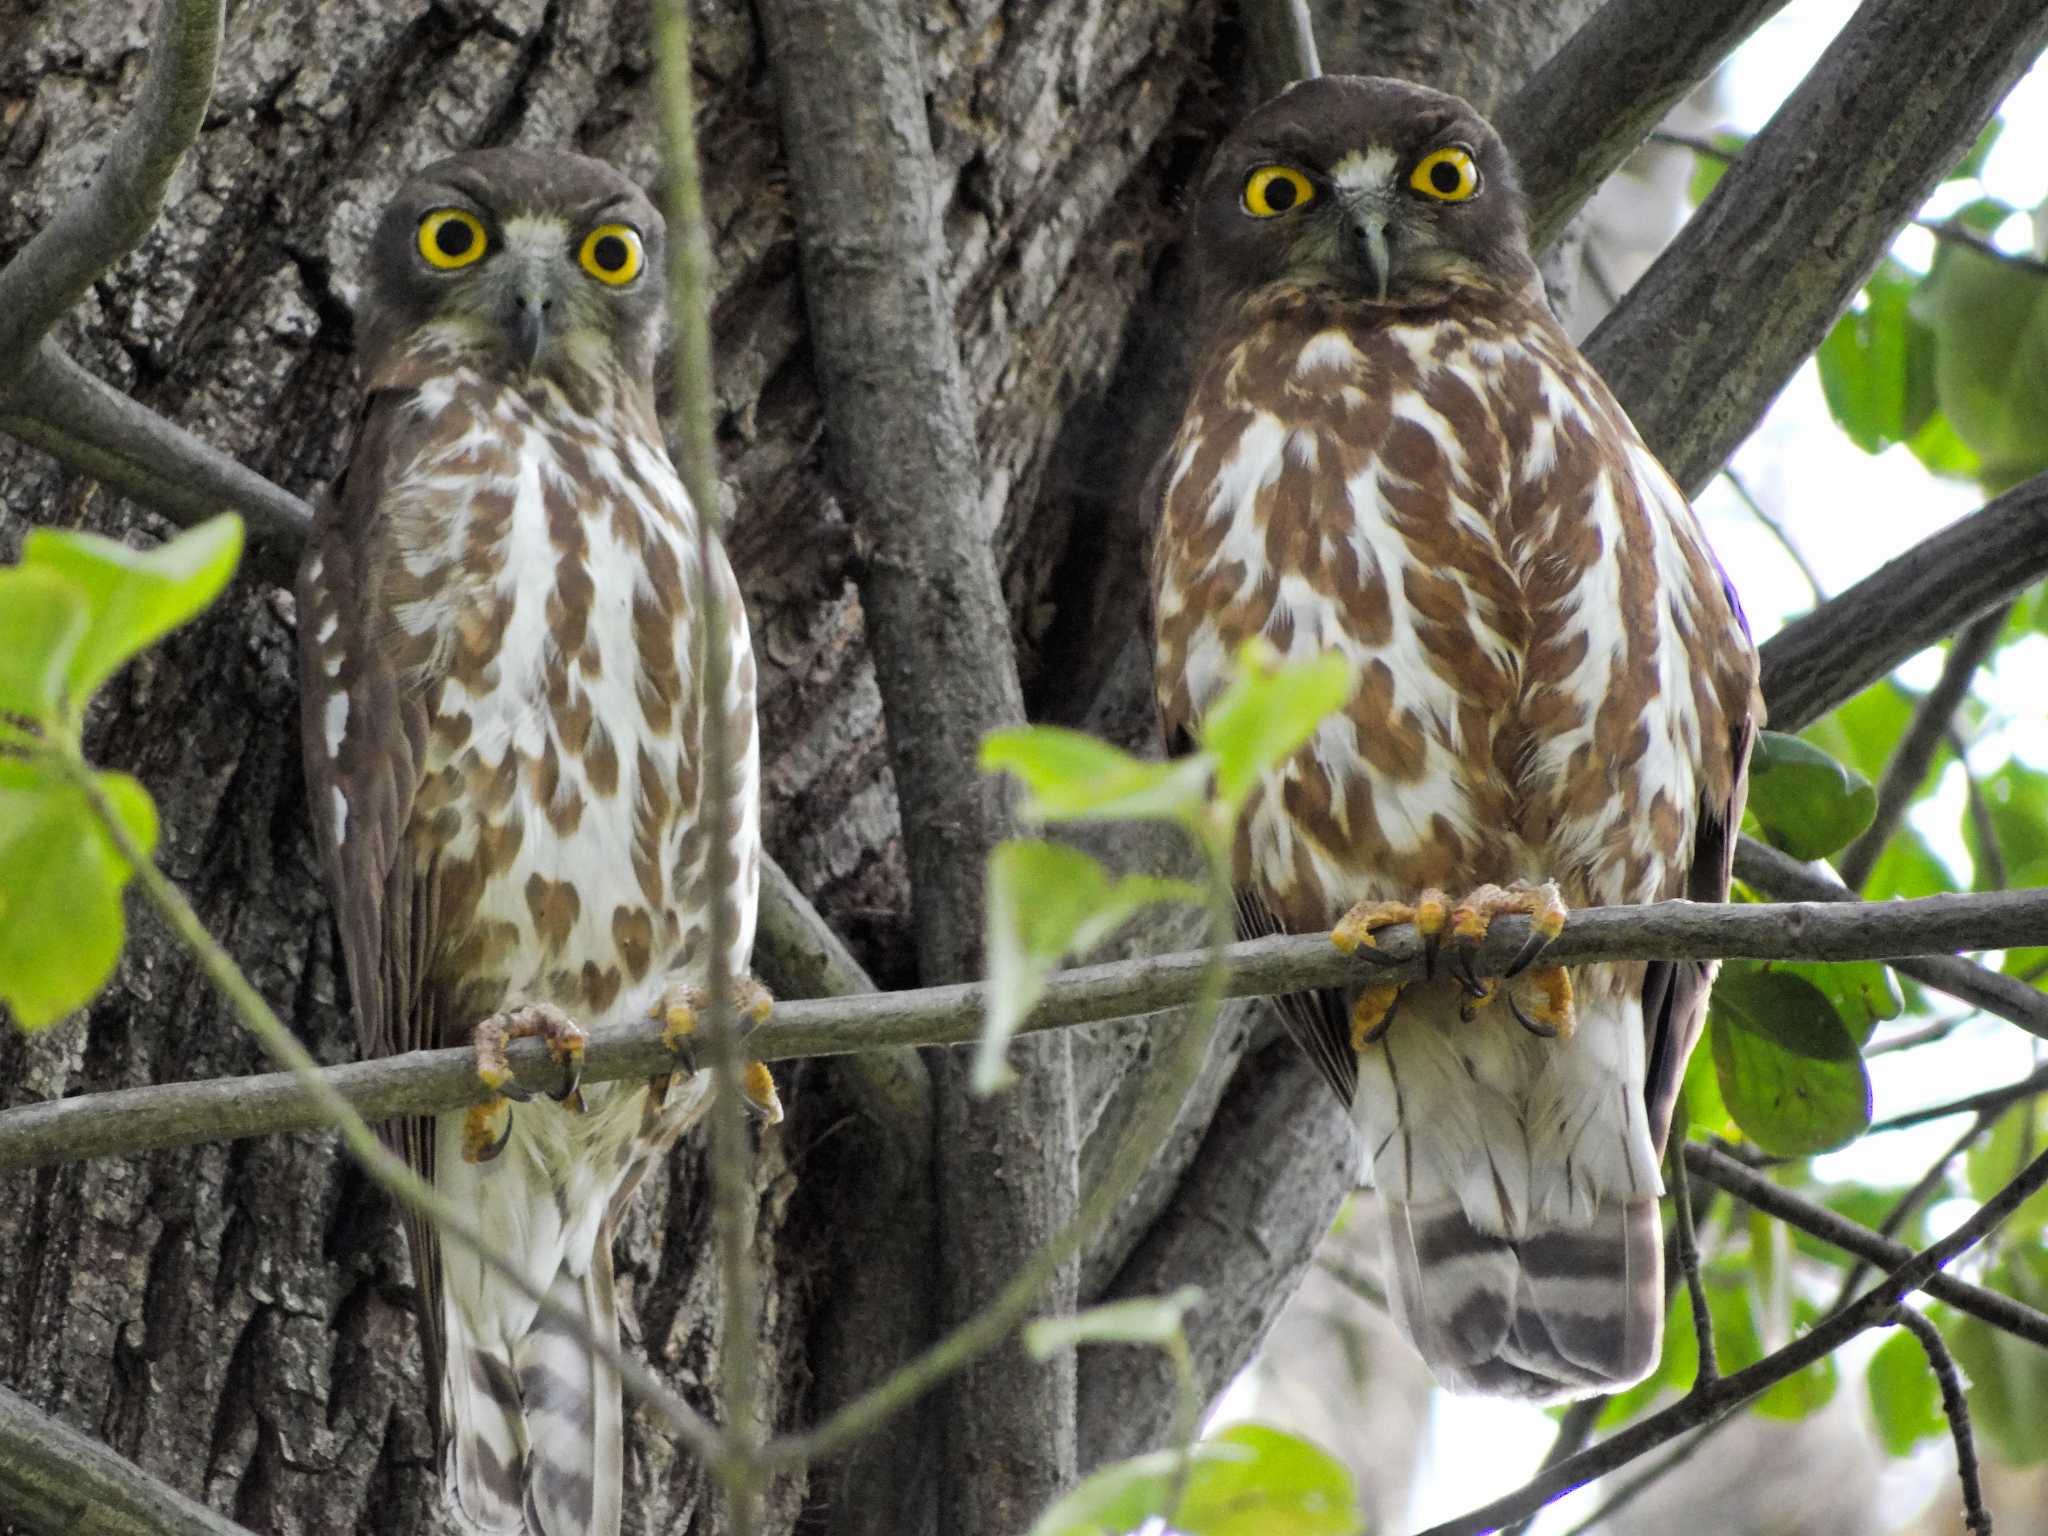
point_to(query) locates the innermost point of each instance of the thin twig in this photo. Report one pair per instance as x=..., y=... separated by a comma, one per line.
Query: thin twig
x=1912, y=1039
x=1574, y=1429
x=1902, y=1208
x=132, y=1120
x=1990, y=872
x=1986, y=1101
x=1976, y=1518
x=1709, y=1403
x=732, y=1184
x=1281, y=39
x=2011, y=998
x=1773, y=1199
x=1174, y=1075
x=1923, y=737
x=333, y=1111
x=1689, y=1263
x=1777, y=530
x=1639, y=1483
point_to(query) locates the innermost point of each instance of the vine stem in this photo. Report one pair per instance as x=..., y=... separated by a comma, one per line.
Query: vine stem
x=388, y=1170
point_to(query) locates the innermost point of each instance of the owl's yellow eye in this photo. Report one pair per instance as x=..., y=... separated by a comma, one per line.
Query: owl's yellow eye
x=451, y=238
x=1446, y=174
x=611, y=253
x=1272, y=190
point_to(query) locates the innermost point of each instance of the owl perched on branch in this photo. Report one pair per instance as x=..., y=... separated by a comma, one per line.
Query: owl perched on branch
x=502, y=715
x=1391, y=450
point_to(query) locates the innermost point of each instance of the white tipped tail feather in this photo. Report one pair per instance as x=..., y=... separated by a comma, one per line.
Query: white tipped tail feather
x=1520, y=1185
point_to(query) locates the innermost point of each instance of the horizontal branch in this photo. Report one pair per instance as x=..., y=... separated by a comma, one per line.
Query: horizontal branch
x=1852, y=1237
x=2007, y=997
x=55, y=1479
x=1597, y=98
x=424, y=1082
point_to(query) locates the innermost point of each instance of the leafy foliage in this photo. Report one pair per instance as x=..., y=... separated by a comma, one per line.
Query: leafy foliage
x=71, y=613
x=1249, y=1480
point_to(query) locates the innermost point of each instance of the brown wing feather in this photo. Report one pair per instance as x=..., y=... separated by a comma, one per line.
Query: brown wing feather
x=386, y=936
x=1319, y=1021
x=1675, y=991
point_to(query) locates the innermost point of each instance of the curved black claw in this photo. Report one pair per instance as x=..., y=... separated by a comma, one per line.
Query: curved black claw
x=1540, y=1031
x=570, y=1088
x=1431, y=944
x=1373, y=956
x=510, y=1089
x=1378, y=1032
x=490, y=1153
x=1463, y=969
x=1537, y=942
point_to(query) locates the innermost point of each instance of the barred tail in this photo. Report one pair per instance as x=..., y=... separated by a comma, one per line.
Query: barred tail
x=535, y=1442
x=1560, y=1311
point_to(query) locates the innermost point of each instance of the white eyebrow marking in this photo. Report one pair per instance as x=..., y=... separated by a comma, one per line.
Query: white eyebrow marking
x=1364, y=170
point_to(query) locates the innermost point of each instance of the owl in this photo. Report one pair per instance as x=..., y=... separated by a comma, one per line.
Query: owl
x=1391, y=451
x=502, y=709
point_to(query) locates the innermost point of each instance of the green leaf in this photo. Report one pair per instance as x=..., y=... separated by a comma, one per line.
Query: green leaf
x=42, y=621
x=61, y=878
x=1863, y=993
x=1044, y=901
x=1250, y=1480
x=1943, y=453
x=1706, y=1116
x=1141, y=1320
x=1876, y=364
x=1808, y=1389
x=2014, y=1141
x=2016, y=798
x=1806, y=803
x=134, y=597
x=1990, y=324
x=2008, y=1377
x=1707, y=170
x=1907, y=867
x=1789, y=1071
x=1267, y=712
x=1865, y=730
x=1073, y=776
x=1905, y=1399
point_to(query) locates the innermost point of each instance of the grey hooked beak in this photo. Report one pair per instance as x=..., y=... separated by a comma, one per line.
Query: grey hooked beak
x=1369, y=230
x=527, y=324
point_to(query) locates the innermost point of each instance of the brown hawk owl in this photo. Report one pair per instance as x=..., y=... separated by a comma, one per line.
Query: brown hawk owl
x=502, y=711
x=1392, y=451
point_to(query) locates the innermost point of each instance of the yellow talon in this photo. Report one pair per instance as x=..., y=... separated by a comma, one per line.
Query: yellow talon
x=757, y=1084
x=483, y=1134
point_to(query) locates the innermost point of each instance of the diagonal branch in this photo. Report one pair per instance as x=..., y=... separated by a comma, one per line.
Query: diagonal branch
x=426, y=1082
x=54, y=1479
x=1924, y=735
x=1873, y=1309
x=1597, y=98
x=1852, y=1237
x=1707, y=338
x=53, y=271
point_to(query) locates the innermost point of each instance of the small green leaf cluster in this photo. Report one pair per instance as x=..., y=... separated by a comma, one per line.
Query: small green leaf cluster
x=1248, y=1480
x=1953, y=363
x=1046, y=901
x=71, y=613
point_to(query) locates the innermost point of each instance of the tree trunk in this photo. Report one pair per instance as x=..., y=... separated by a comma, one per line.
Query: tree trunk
x=236, y=1317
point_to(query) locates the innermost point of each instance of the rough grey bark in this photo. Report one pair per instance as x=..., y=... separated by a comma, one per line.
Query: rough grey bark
x=234, y=1318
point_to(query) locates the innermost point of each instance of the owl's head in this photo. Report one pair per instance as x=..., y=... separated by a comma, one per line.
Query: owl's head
x=532, y=262
x=1392, y=194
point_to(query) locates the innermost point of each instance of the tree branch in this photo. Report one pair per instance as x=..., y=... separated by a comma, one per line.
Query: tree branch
x=1924, y=735
x=1706, y=339
x=132, y=1120
x=1976, y=1518
x=1597, y=98
x=900, y=433
x=1994, y=992
x=53, y=271
x=56, y=1481
x=1852, y=1237
x=1873, y=1309
x=1281, y=39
